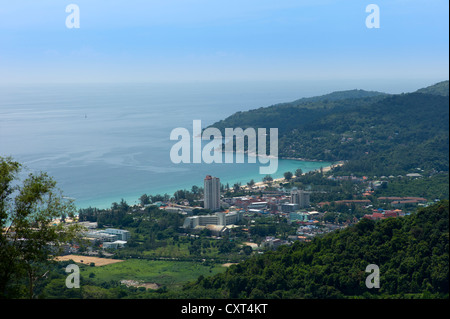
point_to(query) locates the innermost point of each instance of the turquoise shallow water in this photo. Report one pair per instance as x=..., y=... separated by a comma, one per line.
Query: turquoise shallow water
x=103, y=143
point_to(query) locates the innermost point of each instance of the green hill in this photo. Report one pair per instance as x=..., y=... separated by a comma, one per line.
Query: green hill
x=377, y=134
x=312, y=102
x=440, y=88
x=339, y=95
x=412, y=254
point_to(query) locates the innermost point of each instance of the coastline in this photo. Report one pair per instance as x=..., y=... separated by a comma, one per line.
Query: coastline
x=272, y=156
x=258, y=185
x=132, y=198
x=301, y=159
x=279, y=180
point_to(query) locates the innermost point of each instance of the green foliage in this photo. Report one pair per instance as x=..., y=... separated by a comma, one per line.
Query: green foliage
x=288, y=176
x=440, y=88
x=104, y=282
x=144, y=199
x=435, y=186
x=29, y=238
x=267, y=179
x=336, y=96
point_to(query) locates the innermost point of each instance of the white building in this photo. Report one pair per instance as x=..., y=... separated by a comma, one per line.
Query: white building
x=115, y=244
x=272, y=242
x=100, y=235
x=219, y=218
x=123, y=234
x=212, y=193
x=257, y=205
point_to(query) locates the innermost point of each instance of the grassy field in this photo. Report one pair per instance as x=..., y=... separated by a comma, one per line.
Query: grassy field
x=172, y=274
x=180, y=250
x=169, y=250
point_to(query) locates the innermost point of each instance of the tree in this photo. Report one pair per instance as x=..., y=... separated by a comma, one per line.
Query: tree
x=298, y=172
x=123, y=206
x=267, y=179
x=247, y=250
x=288, y=176
x=30, y=239
x=166, y=197
x=144, y=199
x=195, y=190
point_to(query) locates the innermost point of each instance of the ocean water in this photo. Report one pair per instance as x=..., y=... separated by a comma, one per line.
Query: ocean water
x=105, y=142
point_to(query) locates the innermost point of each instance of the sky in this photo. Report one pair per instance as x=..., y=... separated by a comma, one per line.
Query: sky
x=217, y=40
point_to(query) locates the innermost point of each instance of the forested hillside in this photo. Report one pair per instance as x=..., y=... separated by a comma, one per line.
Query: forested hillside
x=377, y=134
x=440, y=88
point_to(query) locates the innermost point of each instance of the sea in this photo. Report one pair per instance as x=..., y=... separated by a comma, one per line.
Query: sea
x=106, y=142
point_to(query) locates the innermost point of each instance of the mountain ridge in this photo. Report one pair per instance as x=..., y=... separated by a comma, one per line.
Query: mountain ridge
x=340, y=95
x=385, y=134
x=440, y=88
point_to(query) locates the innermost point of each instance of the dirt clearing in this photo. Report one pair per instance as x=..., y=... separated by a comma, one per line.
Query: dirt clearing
x=87, y=260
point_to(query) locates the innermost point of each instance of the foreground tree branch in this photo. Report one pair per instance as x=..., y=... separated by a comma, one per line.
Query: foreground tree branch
x=29, y=238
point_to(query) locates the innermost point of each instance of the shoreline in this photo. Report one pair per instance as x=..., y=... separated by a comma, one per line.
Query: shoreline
x=281, y=179
x=134, y=200
x=303, y=159
x=272, y=157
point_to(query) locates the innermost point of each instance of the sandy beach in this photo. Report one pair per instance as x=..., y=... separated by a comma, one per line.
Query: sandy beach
x=282, y=179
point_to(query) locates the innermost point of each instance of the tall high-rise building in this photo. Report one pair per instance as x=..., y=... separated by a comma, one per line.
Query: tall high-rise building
x=212, y=193
x=300, y=197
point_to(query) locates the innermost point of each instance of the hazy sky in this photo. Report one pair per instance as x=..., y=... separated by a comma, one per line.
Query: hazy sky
x=208, y=40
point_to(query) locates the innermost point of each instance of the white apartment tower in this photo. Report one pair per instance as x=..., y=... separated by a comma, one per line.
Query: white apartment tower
x=212, y=193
